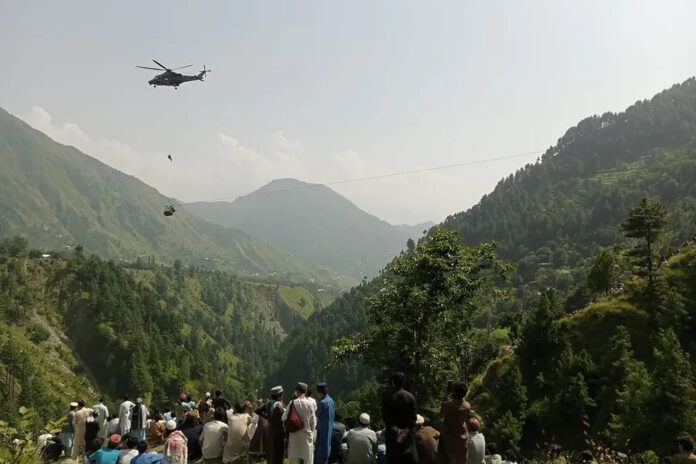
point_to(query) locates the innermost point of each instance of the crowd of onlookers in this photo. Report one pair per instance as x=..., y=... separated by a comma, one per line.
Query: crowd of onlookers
x=306, y=430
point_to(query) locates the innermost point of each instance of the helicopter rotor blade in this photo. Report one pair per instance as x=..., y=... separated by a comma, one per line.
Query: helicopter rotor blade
x=161, y=65
x=182, y=67
x=145, y=67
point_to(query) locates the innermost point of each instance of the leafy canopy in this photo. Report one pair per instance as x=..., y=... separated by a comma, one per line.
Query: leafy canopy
x=427, y=298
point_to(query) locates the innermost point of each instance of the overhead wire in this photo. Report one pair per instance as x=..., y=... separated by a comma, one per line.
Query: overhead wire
x=383, y=176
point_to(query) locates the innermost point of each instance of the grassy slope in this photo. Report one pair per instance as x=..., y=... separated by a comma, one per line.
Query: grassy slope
x=59, y=197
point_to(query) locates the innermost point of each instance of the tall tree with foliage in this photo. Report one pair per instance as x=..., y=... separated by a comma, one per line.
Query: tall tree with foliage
x=645, y=222
x=427, y=297
x=602, y=276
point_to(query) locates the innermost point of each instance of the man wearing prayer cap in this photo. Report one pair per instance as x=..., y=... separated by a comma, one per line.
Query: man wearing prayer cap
x=427, y=439
x=325, y=418
x=301, y=442
x=362, y=443
x=68, y=429
x=273, y=411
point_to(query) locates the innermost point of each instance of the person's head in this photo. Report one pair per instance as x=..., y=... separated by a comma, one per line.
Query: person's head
x=397, y=379
x=114, y=441
x=182, y=397
x=491, y=448
x=301, y=389
x=158, y=416
x=131, y=441
x=420, y=421
x=685, y=443
x=73, y=406
x=81, y=404
x=97, y=443
x=101, y=399
x=586, y=456
x=322, y=390
x=555, y=451
x=124, y=397
x=191, y=417
x=218, y=393
x=364, y=419
x=142, y=446
x=473, y=424
x=277, y=393
x=248, y=407
x=459, y=390
x=219, y=414
x=95, y=414
x=207, y=395
x=238, y=408
x=139, y=400
x=170, y=426
x=338, y=416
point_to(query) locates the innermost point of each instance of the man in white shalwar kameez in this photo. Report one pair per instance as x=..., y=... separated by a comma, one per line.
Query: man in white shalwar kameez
x=124, y=415
x=301, y=443
x=102, y=418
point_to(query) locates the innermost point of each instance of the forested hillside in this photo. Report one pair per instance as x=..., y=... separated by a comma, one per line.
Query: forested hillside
x=314, y=223
x=553, y=216
x=569, y=203
x=152, y=330
x=58, y=197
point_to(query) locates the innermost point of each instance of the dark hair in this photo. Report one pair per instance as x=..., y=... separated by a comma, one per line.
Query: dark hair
x=309, y=393
x=492, y=448
x=302, y=389
x=586, y=455
x=142, y=446
x=95, y=413
x=397, y=379
x=323, y=389
x=125, y=397
x=473, y=424
x=218, y=393
x=220, y=413
x=97, y=443
x=686, y=443
x=459, y=389
x=238, y=408
x=81, y=404
x=112, y=445
x=131, y=441
x=101, y=399
x=276, y=396
x=338, y=416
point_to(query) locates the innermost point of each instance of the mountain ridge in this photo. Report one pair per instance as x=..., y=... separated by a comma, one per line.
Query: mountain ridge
x=312, y=222
x=59, y=197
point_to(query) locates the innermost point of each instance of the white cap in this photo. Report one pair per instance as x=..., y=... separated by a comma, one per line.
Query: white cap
x=207, y=394
x=365, y=418
x=420, y=420
x=171, y=425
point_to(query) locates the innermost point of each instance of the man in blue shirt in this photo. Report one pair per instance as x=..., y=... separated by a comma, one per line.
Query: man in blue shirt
x=325, y=421
x=108, y=455
x=144, y=457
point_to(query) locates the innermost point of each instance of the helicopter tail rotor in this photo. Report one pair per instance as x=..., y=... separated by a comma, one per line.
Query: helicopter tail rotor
x=202, y=74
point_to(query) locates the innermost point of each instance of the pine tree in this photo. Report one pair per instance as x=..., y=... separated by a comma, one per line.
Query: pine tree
x=645, y=222
x=673, y=397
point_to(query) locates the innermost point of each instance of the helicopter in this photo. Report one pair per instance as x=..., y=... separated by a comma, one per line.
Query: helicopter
x=171, y=78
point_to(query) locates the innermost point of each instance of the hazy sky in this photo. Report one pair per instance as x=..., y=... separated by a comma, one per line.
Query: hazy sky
x=326, y=90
